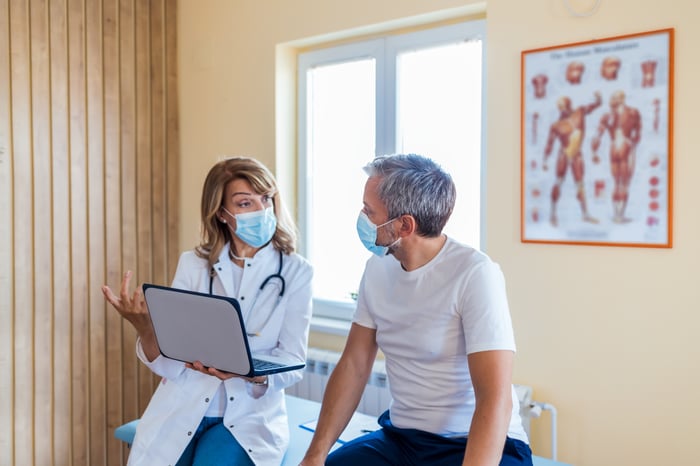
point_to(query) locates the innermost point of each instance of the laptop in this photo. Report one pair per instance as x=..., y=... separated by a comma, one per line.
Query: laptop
x=191, y=326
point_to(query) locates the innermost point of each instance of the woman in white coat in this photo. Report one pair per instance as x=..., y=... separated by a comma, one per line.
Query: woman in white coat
x=199, y=415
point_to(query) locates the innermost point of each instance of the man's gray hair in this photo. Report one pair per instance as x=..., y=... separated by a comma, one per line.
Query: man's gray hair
x=415, y=185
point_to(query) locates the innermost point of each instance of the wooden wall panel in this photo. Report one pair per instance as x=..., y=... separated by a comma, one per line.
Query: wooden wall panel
x=77, y=211
x=88, y=171
x=60, y=227
x=42, y=237
x=22, y=221
x=113, y=239
x=144, y=175
x=158, y=166
x=7, y=440
x=95, y=232
x=128, y=191
x=172, y=136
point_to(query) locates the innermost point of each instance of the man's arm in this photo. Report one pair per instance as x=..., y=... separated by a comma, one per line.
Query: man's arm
x=491, y=376
x=343, y=392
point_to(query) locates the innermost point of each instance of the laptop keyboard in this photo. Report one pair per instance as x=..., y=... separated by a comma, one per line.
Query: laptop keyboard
x=261, y=365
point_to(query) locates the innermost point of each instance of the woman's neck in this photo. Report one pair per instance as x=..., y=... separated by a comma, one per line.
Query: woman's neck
x=241, y=251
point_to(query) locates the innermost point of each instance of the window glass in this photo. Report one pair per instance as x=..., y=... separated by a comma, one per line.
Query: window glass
x=341, y=121
x=439, y=115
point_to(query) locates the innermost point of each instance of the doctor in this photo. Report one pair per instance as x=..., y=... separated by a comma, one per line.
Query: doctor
x=198, y=415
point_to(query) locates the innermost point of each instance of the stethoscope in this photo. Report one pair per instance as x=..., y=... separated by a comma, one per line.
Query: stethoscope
x=267, y=280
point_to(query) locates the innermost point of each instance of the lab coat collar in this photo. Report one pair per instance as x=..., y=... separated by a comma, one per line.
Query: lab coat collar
x=223, y=266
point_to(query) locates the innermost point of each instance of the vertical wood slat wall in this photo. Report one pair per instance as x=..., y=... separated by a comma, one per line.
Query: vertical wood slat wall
x=88, y=189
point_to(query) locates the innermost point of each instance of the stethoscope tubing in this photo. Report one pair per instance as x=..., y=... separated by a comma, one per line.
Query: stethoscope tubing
x=267, y=279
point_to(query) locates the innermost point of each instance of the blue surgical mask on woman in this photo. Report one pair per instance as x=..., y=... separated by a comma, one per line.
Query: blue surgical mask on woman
x=255, y=228
x=367, y=231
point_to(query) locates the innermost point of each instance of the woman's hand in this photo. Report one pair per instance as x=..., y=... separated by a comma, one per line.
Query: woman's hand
x=199, y=367
x=133, y=309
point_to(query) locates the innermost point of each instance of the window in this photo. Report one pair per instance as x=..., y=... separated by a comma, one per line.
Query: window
x=419, y=92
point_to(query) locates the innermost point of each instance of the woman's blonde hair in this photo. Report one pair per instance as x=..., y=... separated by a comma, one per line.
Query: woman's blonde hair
x=214, y=233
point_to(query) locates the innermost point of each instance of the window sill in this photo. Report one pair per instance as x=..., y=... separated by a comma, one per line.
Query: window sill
x=330, y=326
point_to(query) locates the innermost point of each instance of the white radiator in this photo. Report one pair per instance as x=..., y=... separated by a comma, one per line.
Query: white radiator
x=319, y=364
x=376, y=398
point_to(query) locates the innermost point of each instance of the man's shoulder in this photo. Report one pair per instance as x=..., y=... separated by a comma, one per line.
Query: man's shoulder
x=463, y=253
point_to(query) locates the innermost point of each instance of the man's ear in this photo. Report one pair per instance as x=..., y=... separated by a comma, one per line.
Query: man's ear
x=408, y=225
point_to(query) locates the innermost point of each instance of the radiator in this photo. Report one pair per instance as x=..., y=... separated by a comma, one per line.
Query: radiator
x=376, y=398
x=319, y=364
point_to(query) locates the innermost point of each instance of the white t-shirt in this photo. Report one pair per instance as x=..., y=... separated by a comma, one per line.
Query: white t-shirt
x=427, y=321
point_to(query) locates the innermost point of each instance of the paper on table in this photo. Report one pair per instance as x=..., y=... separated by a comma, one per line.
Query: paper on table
x=360, y=424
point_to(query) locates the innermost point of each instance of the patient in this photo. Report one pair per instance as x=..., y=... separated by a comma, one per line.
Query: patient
x=199, y=415
x=438, y=311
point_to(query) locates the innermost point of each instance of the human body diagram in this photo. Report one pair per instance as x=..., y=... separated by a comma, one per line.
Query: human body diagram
x=623, y=124
x=569, y=131
x=595, y=146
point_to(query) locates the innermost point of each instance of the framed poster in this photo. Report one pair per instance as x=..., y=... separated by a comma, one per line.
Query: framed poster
x=596, y=142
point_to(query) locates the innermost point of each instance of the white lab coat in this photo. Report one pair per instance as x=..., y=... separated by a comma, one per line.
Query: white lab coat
x=256, y=416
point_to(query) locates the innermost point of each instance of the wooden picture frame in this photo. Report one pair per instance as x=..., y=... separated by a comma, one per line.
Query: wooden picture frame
x=597, y=142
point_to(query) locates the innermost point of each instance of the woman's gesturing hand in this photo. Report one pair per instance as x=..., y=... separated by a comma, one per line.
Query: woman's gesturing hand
x=133, y=308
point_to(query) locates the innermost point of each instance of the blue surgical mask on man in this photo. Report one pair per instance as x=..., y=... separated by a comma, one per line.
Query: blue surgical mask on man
x=255, y=228
x=367, y=231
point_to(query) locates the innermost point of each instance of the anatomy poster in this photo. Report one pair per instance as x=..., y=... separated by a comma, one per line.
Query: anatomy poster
x=596, y=142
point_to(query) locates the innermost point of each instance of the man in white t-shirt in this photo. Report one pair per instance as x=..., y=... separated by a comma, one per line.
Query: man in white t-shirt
x=438, y=311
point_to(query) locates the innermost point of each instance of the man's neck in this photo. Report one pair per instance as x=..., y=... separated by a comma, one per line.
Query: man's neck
x=416, y=251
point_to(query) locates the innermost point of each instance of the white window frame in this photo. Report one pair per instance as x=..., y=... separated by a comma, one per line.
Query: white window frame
x=384, y=50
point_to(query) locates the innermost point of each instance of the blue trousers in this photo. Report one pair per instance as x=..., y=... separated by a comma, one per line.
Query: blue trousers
x=391, y=446
x=213, y=444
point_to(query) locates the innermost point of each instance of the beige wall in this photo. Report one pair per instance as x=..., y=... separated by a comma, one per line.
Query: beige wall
x=604, y=333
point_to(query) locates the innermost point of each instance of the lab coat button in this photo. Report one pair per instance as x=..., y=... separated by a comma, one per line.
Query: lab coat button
x=231, y=399
x=189, y=433
x=206, y=400
x=242, y=298
x=230, y=427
